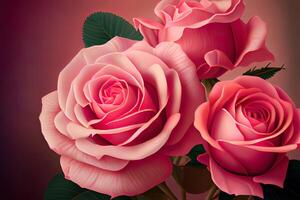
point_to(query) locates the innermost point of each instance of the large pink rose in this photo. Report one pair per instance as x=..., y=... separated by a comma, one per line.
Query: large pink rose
x=120, y=111
x=210, y=32
x=248, y=126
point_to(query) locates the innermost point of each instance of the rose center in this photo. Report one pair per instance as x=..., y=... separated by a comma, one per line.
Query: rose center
x=113, y=92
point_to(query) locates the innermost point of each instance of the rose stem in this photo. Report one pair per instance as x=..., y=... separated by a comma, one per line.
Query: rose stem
x=211, y=192
x=163, y=187
x=183, y=194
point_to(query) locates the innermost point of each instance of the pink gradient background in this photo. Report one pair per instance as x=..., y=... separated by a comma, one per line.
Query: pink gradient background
x=37, y=40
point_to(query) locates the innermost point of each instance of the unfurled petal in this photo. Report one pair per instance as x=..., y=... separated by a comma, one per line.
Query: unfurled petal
x=233, y=183
x=136, y=178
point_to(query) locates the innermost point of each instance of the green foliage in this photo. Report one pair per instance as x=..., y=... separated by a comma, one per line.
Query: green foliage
x=100, y=27
x=209, y=83
x=60, y=188
x=291, y=190
x=264, y=72
x=195, y=151
x=225, y=196
x=154, y=193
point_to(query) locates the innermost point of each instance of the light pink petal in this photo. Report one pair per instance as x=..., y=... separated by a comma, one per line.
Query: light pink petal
x=136, y=178
x=120, y=73
x=276, y=174
x=212, y=12
x=84, y=115
x=77, y=131
x=61, y=122
x=162, y=5
x=153, y=71
x=193, y=92
x=233, y=183
x=250, y=42
x=218, y=131
x=190, y=139
x=69, y=106
x=84, y=57
x=156, y=77
x=170, y=34
x=63, y=145
x=222, y=93
x=216, y=5
x=121, y=61
x=224, y=127
x=141, y=46
x=79, y=82
x=135, y=152
x=216, y=64
x=149, y=29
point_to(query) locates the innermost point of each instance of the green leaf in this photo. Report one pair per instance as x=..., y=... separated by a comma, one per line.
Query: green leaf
x=209, y=83
x=225, y=196
x=154, y=193
x=100, y=27
x=291, y=190
x=264, y=72
x=60, y=188
x=194, y=153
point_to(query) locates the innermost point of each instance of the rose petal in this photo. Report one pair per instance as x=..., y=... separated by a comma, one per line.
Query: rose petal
x=136, y=178
x=233, y=183
x=276, y=174
x=84, y=57
x=190, y=139
x=250, y=42
x=201, y=125
x=223, y=119
x=192, y=90
x=248, y=157
x=63, y=145
x=135, y=152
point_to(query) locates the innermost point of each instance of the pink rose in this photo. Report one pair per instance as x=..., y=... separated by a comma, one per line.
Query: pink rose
x=210, y=32
x=248, y=126
x=120, y=111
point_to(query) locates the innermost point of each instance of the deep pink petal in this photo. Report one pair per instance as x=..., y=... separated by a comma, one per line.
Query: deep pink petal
x=135, y=152
x=190, y=139
x=250, y=42
x=276, y=174
x=248, y=157
x=201, y=123
x=233, y=183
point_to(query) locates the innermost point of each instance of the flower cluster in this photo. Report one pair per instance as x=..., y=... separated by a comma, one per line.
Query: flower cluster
x=123, y=109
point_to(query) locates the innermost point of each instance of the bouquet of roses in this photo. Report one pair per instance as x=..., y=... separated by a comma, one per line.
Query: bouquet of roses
x=141, y=108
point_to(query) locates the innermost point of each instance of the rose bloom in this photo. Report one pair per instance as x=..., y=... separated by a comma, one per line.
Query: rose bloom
x=210, y=32
x=248, y=126
x=120, y=111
